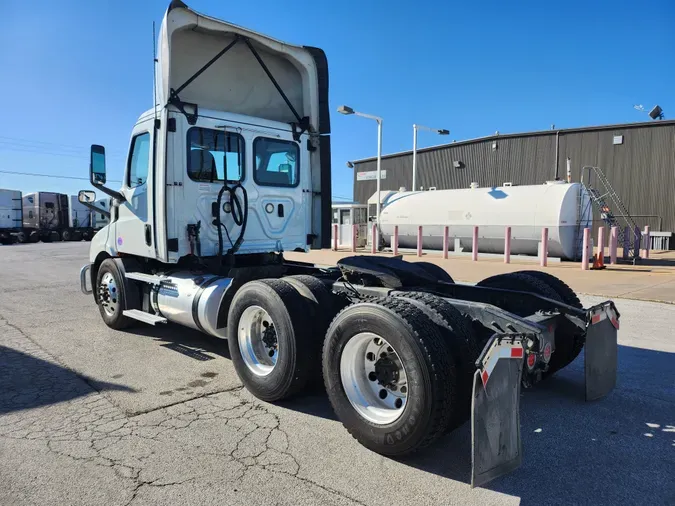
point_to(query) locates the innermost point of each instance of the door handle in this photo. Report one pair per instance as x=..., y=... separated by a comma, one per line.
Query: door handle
x=148, y=235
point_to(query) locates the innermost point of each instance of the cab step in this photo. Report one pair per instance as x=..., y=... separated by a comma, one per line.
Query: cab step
x=141, y=316
x=145, y=278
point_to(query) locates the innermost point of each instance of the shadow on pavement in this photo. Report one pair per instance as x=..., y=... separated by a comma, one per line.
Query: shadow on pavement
x=183, y=340
x=29, y=382
x=618, y=450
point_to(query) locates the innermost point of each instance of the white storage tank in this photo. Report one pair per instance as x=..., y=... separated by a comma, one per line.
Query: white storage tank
x=564, y=208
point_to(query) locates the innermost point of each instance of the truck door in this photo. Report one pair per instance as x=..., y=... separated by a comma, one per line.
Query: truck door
x=133, y=227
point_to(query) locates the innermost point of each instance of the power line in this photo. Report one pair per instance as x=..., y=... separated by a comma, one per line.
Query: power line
x=69, y=147
x=52, y=175
x=40, y=151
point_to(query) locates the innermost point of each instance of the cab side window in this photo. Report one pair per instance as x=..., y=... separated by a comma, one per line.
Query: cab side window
x=139, y=160
x=277, y=162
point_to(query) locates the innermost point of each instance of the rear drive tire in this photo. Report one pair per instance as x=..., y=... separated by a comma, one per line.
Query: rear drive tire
x=569, y=297
x=111, y=296
x=412, y=349
x=521, y=281
x=326, y=305
x=66, y=236
x=34, y=236
x=436, y=271
x=270, y=340
x=462, y=341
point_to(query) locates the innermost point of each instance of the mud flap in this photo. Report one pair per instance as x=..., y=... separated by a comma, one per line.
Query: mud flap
x=600, y=351
x=495, y=412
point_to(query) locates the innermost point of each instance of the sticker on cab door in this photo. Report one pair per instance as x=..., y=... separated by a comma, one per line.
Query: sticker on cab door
x=204, y=187
x=119, y=241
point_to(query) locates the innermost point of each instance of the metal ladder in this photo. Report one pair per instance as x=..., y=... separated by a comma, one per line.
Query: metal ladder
x=599, y=200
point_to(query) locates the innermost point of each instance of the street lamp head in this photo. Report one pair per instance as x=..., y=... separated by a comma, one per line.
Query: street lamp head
x=350, y=165
x=343, y=109
x=443, y=132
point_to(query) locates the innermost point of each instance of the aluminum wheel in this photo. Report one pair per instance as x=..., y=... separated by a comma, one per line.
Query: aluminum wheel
x=258, y=340
x=374, y=378
x=108, y=294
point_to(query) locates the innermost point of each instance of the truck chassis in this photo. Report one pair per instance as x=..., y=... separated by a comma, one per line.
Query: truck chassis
x=405, y=353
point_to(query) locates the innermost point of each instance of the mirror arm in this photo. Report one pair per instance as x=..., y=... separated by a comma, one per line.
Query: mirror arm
x=116, y=195
x=97, y=209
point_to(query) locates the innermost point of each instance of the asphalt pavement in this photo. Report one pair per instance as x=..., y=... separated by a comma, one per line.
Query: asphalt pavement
x=89, y=415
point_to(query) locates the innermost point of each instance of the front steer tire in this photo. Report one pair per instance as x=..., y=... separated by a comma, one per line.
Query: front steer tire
x=115, y=320
x=429, y=367
x=291, y=316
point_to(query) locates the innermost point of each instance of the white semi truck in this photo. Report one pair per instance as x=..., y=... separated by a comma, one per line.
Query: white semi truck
x=230, y=170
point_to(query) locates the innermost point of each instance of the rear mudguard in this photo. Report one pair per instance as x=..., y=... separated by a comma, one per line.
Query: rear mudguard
x=495, y=410
x=496, y=447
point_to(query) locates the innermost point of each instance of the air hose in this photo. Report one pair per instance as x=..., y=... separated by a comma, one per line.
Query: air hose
x=239, y=216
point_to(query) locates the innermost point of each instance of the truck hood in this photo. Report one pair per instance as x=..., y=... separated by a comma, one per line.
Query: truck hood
x=237, y=81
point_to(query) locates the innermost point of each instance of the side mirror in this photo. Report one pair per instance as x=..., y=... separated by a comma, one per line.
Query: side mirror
x=86, y=196
x=97, y=165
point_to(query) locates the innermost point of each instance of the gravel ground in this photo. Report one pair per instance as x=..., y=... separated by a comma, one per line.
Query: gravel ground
x=89, y=415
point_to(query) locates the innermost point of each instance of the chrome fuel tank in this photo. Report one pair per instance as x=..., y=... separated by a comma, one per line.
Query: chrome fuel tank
x=192, y=300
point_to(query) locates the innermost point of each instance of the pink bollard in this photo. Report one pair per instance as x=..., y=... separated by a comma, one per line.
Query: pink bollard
x=613, y=242
x=335, y=236
x=394, y=241
x=446, y=233
x=647, y=241
x=419, y=241
x=474, y=245
x=507, y=245
x=584, y=254
x=355, y=236
x=543, y=261
x=373, y=246
x=601, y=246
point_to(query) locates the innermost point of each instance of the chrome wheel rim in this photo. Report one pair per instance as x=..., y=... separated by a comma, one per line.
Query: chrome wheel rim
x=108, y=294
x=374, y=378
x=258, y=341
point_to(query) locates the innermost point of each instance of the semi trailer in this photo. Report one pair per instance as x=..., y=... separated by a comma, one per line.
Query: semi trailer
x=10, y=216
x=232, y=169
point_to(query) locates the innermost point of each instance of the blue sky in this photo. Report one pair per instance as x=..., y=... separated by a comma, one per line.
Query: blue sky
x=77, y=73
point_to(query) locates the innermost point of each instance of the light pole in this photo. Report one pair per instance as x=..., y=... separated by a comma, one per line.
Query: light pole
x=415, y=129
x=343, y=109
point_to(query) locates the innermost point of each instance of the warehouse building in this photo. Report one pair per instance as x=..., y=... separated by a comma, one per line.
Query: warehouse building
x=637, y=158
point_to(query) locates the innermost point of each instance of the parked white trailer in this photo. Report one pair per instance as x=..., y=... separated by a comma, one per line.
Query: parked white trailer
x=232, y=169
x=100, y=218
x=563, y=208
x=10, y=215
x=81, y=221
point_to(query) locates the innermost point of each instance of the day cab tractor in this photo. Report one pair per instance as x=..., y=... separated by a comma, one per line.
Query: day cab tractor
x=230, y=170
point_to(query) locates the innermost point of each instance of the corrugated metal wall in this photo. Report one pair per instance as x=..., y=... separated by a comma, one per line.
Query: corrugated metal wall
x=641, y=169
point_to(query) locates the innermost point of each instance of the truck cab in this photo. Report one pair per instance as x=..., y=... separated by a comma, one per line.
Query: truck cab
x=234, y=159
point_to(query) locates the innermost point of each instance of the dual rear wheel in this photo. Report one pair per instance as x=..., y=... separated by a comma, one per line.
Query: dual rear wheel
x=390, y=373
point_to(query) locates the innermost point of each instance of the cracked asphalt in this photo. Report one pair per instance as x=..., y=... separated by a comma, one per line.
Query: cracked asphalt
x=93, y=416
